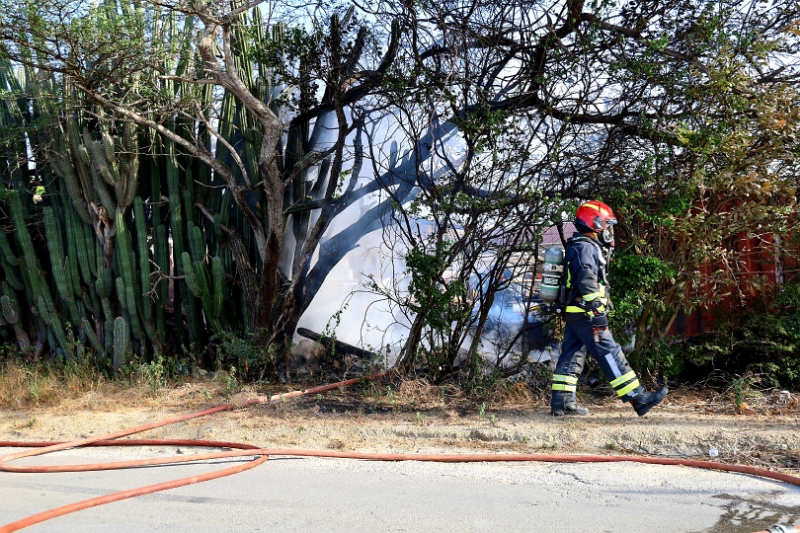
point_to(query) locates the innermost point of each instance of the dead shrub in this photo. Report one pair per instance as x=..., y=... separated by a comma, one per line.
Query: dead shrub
x=505, y=395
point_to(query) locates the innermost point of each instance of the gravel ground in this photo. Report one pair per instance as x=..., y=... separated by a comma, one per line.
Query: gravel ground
x=339, y=422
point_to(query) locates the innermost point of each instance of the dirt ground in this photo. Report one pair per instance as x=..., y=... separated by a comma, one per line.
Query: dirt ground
x=416, y=417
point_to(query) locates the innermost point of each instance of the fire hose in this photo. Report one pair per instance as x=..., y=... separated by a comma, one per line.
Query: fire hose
x=261, y=455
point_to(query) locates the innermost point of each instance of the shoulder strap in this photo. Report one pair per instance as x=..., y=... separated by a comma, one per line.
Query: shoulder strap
x=582, y=238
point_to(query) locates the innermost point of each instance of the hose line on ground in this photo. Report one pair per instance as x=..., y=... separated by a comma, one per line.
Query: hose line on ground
x=261, y=455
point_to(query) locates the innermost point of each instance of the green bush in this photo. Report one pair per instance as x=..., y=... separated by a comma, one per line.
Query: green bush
x=761, y=340
x=249, y=354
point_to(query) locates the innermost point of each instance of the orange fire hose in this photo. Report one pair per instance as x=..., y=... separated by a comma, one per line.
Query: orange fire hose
x=261, y=455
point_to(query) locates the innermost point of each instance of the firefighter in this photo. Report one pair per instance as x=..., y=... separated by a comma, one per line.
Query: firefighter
x=587, y=303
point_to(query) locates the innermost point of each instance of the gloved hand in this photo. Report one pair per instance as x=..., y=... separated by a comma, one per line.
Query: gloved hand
x=599, y=322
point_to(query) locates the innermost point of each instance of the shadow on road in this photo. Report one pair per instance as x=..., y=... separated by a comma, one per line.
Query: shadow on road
x=745, y=515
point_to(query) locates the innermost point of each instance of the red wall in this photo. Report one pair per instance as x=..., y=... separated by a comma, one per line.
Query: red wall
x=755, y=281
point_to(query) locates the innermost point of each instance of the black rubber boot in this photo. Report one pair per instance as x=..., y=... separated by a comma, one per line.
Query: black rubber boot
x=564, y=403
x=645, y=401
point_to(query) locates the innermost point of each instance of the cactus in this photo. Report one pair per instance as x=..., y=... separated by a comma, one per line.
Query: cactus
x=218, y=231
x=196, y=244
x=11, y=276
x=51, y=340
x=73, y=271
x=65, y=166
x=106, y=305
x=136, y=327
x=103, y=283
x=96, y=307
x=144, y=257
x=75, y=227
x=44, y=312
x=161, y=250
x=103, y=195
x=189, y=274
x=120, y=286
x=93, y=340
x=21, y=231
x=125, y=188
x=32, y=279
x=8, y=254
x=126, y=259
x=96, y=220
x=201, y=277
x=55, y=323
x=93, y=249
x=184, y=293
x=218, y=275
x=108, y=335
x=73, y=274
x=9, y=310
x=188, y=203
x=121, y=338
x=56, y=249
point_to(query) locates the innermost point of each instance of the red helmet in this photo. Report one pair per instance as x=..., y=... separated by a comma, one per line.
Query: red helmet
x=596, y=217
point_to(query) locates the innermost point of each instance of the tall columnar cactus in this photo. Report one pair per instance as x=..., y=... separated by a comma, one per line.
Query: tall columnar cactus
x=103, y=286
x=10, y=315
x=9, y=262
x=143, y=251
x=179, y=234
x=92, y=337
x=126, y=285
x=218, y=275
x=9, y=310
x=33, y=279
x=56, y=248
x=121, y=337
x=5, y=249
x=161, y=249
x=83, y=245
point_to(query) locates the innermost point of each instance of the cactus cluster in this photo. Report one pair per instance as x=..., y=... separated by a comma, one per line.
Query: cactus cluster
x=130, y=251
x=102, y=261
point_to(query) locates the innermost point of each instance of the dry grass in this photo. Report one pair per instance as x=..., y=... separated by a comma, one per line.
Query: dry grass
x=82, y=387
x=512, y=396
x=419, y=394
x=716, y=401
x=26, y=386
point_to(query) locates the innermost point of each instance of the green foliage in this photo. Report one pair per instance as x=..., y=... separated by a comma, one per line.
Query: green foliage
x=231, y=383
x=635, y=282
x=764, y=341
x=430, y=296
x=247, y=353
x=436, y=303
x=661, y=357
x=756, y=343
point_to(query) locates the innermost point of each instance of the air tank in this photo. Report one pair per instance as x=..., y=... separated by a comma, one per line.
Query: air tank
x=551, y=274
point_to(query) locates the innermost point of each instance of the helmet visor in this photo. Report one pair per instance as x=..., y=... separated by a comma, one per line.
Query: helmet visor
x=607, y=235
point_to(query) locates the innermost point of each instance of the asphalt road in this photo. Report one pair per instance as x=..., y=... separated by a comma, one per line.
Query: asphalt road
x=332, y=495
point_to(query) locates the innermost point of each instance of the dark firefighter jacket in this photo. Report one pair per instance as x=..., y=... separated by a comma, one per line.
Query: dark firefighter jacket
x=586, y=279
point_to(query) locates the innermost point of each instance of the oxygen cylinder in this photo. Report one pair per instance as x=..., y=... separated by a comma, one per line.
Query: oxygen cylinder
x=551, y=274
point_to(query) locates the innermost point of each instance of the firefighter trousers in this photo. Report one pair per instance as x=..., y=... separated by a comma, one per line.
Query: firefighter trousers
x=604, y=350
